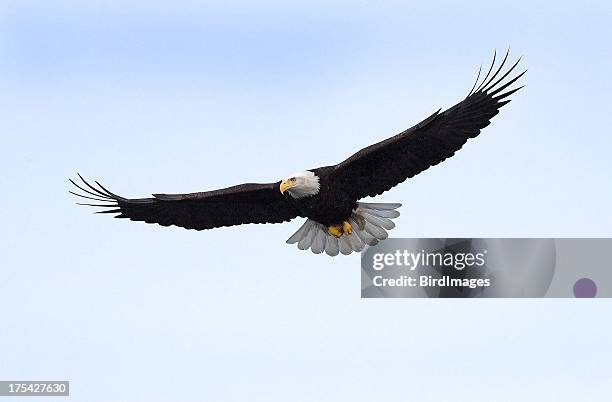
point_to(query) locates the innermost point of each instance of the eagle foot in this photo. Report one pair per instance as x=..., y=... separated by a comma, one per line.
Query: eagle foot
x=347, y=228
x=338, y=230
x=335, y=230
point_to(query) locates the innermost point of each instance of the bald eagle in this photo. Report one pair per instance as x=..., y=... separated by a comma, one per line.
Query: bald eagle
x=327, y=196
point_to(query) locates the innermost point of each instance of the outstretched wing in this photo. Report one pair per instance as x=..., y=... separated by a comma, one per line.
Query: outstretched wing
x=379, y=167
x=245, y=203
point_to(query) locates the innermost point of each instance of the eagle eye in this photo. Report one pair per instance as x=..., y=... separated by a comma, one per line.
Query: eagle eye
x=292, y=179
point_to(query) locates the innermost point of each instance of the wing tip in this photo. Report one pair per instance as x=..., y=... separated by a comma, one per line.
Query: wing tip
x=488, y=83
x=87, y=191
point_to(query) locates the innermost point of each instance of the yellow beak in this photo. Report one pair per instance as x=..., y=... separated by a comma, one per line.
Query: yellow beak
x=284, y=186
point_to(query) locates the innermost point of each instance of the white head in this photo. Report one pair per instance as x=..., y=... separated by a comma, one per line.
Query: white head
x=301, y=184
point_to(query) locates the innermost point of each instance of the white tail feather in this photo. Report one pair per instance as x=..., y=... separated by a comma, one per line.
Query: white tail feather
x=378, y=205
x=384, y=213
x=375, y=220
x=318, y=244
x=306, y=241
x=297, y=236
x=378, y=221
x=331, y=246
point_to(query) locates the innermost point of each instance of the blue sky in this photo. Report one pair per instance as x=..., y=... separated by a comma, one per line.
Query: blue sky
x=183, y=96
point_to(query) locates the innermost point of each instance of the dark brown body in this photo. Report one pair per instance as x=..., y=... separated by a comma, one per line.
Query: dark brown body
x=331, y=206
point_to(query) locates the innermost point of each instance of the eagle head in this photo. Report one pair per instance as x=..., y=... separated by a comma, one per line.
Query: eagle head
x=300, y=184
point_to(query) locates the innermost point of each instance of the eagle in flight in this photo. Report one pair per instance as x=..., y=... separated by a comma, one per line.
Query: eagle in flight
x=328, y=196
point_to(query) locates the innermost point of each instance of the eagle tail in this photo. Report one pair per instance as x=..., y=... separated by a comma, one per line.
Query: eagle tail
x=370, y=222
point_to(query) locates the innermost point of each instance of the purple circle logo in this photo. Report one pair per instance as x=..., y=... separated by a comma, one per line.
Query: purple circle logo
x=585, y=287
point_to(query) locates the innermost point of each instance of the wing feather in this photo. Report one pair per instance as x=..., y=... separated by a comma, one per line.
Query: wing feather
x=381, y=166
x=242, y=204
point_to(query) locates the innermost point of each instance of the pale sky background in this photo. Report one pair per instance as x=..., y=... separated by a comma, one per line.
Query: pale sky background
x=182, y=96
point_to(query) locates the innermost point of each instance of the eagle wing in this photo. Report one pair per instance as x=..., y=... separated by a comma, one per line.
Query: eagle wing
x=381, y=166
x=237, y=205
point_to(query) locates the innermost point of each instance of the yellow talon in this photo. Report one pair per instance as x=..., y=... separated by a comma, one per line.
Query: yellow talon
x=335, y=230
x=347, y=228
